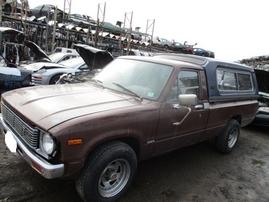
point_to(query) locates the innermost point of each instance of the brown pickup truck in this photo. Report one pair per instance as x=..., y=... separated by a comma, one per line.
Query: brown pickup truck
x=136, y=108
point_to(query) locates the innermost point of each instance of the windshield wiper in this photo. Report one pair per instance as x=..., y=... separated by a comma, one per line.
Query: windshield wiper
x=98, y=82
x=128, y=90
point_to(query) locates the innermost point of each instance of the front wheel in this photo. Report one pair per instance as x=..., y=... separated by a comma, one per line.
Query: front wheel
x=226, y=141
x=108, y=173
x=54, y=79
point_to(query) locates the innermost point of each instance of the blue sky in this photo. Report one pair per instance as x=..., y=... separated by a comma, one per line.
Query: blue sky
x=234, y=30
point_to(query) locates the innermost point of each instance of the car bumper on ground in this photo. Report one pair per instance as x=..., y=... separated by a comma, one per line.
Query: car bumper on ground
x=46, y=169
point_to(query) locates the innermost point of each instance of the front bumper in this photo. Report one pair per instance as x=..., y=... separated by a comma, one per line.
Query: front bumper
x=46, y=169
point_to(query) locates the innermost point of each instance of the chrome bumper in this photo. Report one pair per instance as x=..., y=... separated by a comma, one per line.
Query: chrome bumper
x=43, y=167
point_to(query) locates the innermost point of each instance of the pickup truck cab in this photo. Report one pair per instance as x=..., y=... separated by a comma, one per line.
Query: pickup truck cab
x=136, y=108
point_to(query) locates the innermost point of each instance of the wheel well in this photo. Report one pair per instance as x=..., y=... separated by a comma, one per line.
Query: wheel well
x=237, y=118
x=132, y=142
x=53, y=78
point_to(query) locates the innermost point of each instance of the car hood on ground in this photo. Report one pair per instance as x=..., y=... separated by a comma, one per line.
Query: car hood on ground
x=50, y=110
x=37, y=50
x=93, y=57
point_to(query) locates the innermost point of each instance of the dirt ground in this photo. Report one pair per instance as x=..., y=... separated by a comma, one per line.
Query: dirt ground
x=194, y=174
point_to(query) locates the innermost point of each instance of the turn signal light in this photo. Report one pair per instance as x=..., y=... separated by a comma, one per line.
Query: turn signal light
x=74, y=142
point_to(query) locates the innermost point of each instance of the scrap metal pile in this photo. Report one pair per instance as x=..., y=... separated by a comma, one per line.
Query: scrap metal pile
x=258, y=62
x=50, y=32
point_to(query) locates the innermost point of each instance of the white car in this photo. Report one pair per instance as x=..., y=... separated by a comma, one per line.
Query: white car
x=44, y=59
x=54, y=58
x=161, y=42
x=50, y=73
x=91, y=59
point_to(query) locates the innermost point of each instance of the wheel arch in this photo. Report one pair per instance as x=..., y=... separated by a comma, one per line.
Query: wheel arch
x=131, y=141
x=54, y=76
x=238, y=118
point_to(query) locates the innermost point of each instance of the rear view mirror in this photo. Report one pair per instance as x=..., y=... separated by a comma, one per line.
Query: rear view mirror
x=187, y=99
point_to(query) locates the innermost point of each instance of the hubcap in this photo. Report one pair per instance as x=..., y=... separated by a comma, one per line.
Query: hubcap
x=232, y=137
x=114, y=178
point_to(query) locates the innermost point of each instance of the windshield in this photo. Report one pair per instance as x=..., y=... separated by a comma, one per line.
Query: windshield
x=73, y=63
x=54, y=57
x=140, y=78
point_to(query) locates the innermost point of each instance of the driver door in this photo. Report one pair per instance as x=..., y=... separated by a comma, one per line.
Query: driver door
x=174, y=131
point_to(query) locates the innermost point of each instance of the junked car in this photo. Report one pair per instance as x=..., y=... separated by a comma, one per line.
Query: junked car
x=91, y=60
x=262, y=115
x=161, y=42
x=47, y=11
x=182, y=48
x=51, y=72
x=10, y=76
x=203, y=52
x=46, y=60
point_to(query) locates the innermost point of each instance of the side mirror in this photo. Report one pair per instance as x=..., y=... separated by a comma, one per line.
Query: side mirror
x=187, y=99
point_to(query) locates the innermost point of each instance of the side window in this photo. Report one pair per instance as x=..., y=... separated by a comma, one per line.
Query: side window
x=66, y=58
x=226, y=80
x=84, y=67
x=231, y=80
x=187, y=82
x=244, y=82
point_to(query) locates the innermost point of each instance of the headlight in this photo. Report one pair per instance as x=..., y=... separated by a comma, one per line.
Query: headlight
x=48, y=144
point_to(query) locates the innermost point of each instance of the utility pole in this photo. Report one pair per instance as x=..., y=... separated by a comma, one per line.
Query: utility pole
x=130, y=30
x=102, y=14
x=150, y=24
x=1, y=4
x=69, y=3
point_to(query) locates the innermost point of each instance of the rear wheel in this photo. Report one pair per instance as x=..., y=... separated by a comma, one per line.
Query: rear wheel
x=226, y=141
x=108, y=173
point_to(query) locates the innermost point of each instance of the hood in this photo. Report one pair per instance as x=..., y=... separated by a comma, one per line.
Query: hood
x=15, y=36
x=95, y=58
x=50, y=110
x=42, y=65
x=36, y=49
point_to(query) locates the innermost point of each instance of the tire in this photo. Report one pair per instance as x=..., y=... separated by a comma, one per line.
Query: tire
x=54, y=79
x=107, y=173
x=227, y=140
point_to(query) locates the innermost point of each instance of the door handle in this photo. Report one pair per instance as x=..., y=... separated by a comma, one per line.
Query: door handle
x=199, y=107
x=176, y=106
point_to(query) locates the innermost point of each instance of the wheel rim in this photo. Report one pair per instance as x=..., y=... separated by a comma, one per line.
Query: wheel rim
x=232, y=137
x=114, y=178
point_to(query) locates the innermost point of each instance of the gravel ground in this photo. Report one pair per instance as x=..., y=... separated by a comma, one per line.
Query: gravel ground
x=194, y=174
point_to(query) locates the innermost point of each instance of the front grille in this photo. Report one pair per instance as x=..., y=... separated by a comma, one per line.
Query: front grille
x=20, y=128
